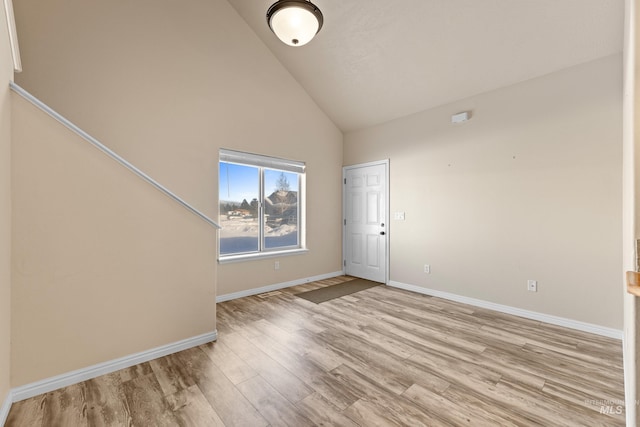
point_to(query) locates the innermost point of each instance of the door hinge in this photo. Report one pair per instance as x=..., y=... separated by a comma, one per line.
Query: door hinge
x=345, y=181
x=345, y=222
x=344, y=262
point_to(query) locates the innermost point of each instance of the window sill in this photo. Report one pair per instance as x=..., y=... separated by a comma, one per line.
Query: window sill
x=263, y=255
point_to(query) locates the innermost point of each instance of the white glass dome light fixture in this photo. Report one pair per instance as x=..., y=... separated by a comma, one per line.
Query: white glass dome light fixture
x=294, y=22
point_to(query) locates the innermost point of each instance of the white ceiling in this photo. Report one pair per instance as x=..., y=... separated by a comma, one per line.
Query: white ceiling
x=377, y=60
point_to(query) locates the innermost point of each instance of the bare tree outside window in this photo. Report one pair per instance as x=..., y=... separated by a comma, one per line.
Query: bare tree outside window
x=282, y=184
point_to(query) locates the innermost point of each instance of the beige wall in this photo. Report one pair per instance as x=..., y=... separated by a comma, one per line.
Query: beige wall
x=529, y=188
x=6, y=75
x=166, y=85
x=104, y=265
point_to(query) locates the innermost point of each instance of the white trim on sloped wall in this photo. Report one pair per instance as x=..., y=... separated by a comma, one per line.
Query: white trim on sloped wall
x=13, y=36
x=547, y=318
x=109, y=152
x=275, y=287
x=74, y=377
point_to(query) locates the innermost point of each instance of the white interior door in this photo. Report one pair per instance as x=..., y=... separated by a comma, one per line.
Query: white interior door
x=365, y=221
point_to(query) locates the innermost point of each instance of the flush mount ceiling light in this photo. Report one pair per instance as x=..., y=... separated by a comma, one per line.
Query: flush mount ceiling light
x=295, y=22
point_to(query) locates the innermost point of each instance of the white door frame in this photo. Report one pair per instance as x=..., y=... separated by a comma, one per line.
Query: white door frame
x=384, y=162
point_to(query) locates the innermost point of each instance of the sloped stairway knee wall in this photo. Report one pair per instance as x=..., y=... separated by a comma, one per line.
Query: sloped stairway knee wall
x=104, y=265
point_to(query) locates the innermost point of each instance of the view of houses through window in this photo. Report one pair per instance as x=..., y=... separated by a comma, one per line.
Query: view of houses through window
x=259, y=205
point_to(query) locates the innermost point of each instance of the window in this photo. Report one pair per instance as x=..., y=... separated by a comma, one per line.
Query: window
x=260, y=202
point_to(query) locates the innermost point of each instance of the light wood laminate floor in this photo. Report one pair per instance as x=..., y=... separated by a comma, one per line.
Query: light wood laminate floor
x=380, y=357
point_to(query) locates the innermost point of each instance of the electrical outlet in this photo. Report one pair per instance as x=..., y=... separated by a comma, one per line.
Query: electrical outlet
x=532, y=285
x=276, y=265
x=427, y=268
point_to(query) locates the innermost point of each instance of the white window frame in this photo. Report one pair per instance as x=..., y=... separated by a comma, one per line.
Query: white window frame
x=267, y=162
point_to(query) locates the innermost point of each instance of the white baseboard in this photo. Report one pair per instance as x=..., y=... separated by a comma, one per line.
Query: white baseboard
x=5, y=408
x=547, y=318
x=74, y=377
x=275, y=287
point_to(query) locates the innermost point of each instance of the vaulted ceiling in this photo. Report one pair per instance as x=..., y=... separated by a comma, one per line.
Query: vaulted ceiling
x=377, y=60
